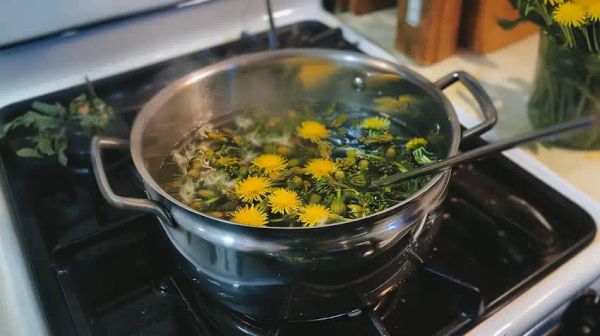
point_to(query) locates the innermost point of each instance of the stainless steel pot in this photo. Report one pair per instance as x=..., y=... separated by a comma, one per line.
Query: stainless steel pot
x=262, y=271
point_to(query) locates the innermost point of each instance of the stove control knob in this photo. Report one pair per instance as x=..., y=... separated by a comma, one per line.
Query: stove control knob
x=582, y=317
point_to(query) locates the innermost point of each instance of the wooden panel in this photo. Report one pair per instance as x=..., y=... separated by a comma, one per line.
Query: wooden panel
x=480, y=32
x=340, y=5
x=359, y=7
x=428, y=29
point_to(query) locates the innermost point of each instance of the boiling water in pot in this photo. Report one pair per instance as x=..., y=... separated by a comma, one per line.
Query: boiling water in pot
x=307, y=166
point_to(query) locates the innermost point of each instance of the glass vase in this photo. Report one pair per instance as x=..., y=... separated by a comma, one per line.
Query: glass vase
x=566, y=86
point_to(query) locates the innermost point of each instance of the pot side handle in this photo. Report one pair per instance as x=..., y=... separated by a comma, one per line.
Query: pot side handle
x=140, y=204
x=483, y=100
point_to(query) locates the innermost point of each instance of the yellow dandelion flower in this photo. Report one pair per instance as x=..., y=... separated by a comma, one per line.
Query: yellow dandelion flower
x=415, y=143
x=594, y=11
x=570, y=15
x=270, y=163
x=312, y=130
x=553, y=2
x=394, y=104
x=320, y=167
x=314, y=214
x=249, y=215
x=376, y=123
x=585, y=3
x=252, y=188
x=283, y=201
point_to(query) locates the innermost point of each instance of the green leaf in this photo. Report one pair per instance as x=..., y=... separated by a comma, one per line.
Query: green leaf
x=49, y=109
x=330, y=110
x=509, y=24
x=32, y=118
x=44, y=145
x=25, y=120
x=43, y=122
x=421, y=156
x=28, y=152
x=50, y=122
x=61, y=143
x=62, y=158
x=4, y=130
x=80, y=106
x=90, y=113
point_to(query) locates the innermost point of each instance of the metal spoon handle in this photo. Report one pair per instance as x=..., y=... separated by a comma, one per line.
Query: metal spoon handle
x=487, y=150
x=272, y=35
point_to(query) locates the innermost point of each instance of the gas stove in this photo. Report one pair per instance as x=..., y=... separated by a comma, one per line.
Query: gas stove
x=506, y=232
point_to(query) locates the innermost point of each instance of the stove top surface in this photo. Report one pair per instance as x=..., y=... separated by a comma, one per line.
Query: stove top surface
x=104, y=271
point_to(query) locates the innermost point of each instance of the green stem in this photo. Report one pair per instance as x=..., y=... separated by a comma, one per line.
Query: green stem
x=571, y=37
x=595, y=37
x=551, y=89
x=212, y=200
x=587, y=39
x=542, y=10
x=565, y=35
x=580, y=106
x=569, y=104
x=568, y=34
x=344, y=185
x=557, y=108
x=582, y=98
x=586, y=92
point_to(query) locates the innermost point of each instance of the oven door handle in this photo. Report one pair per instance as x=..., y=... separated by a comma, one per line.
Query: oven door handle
x=99, y=143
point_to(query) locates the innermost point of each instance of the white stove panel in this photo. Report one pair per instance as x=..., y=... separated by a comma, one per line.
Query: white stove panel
x=49, y=65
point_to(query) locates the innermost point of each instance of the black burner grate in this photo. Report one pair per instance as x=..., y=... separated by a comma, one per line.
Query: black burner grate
x=104, y=271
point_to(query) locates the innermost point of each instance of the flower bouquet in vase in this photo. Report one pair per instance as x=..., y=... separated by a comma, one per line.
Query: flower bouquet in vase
x=567, y=79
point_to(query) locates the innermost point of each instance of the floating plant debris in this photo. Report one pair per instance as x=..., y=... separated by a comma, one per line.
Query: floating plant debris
x=300, y=168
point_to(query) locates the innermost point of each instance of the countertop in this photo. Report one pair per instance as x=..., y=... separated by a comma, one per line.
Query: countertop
x=507, y=75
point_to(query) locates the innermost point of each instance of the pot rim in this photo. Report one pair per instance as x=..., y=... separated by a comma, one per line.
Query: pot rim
x=154, y=106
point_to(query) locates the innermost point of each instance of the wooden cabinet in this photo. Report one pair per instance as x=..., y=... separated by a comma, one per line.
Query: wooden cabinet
x=427, y=30
x=480, y=32
x=430, y=30
x=360, y=7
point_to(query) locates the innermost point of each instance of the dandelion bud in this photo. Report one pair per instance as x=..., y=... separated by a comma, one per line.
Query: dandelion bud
x=297, y=181
x=363, y=164
x=283, y=150
x=390, y=153
x=197, y=204
x=238, y=140
x=206, y=193
x=356, y=210
x=217, y=214
x=338, y=206
x=314, y=199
